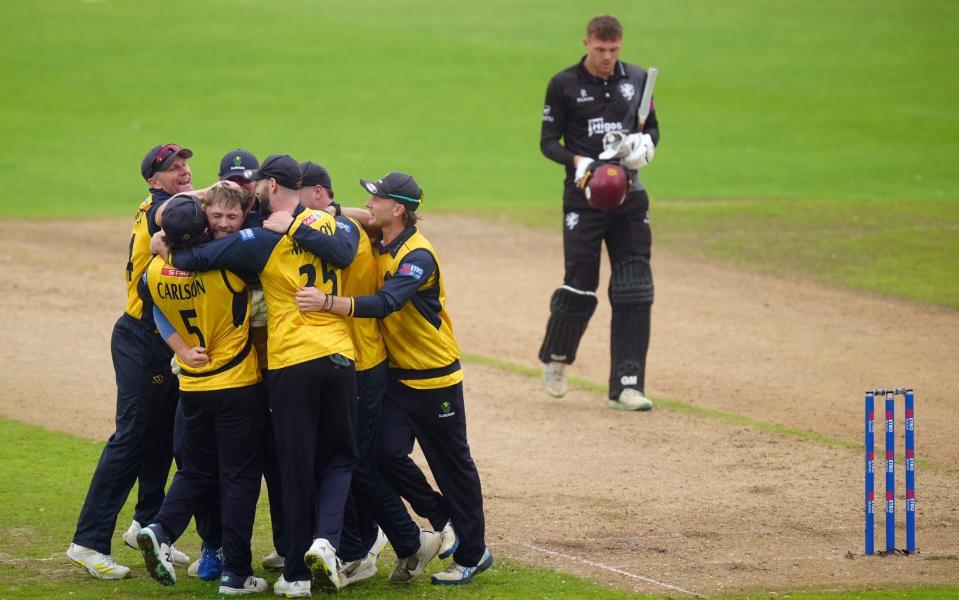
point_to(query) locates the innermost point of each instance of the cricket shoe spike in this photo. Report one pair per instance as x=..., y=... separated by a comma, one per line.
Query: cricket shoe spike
x=321, y=560
x=155, y=547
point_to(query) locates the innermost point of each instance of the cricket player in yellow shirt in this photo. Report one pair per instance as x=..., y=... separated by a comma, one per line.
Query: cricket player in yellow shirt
x=311, y=377
x=222, y=404
x=426, y=380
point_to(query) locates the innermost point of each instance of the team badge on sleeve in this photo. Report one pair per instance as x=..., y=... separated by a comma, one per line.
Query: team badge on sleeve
x=246, y=234
x=410, y=270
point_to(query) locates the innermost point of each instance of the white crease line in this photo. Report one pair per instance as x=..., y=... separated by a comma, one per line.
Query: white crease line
x=612, y=569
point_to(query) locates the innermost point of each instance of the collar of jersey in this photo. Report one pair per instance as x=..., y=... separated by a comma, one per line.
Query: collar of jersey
x=619, y=72
x=394, y=246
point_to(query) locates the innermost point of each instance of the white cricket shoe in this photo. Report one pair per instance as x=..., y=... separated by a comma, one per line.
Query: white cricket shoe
x=130, y=535
x=156, y=555
x=379, y=544
x=358, y=570
x=292, y=589
x=407, y=568
x=180, y=559
x=450, y=541
x=321, y=560
x=630, y=399
x=101, y=566
x=455, y=574
x=273, y=561
x=554, y=379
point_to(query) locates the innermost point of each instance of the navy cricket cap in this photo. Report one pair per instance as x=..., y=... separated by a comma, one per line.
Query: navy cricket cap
x=396, y=186
x=314, y=174
x=283, y=168
x=238, y=163
x=184, y=221
x=159, y=158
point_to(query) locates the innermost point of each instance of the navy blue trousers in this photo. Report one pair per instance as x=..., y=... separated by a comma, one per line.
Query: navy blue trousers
x=142, y=445
x=274, y=483
x=374, y=500
x=207, y=513
x=438, y=419
x=313, y=405
x=220, y=456
x=393, y=447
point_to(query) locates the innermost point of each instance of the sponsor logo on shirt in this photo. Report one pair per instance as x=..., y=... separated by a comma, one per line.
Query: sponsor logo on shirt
x=246, y=234
x=584, y=96
x=546, y=116
x=600, y=126
x=310, y=219
x=410, y=270
x=172, y=272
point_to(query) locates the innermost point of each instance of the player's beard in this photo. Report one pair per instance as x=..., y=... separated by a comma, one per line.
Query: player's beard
x=262, y=194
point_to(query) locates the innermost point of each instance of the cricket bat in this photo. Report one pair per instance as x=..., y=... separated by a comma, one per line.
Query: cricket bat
x=647, y=98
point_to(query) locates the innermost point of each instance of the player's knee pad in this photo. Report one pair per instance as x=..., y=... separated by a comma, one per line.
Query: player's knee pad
x=631, y=283
x=569, y=314
x=631, y=298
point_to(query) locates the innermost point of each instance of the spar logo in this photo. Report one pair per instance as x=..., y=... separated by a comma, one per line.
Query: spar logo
x=600, y=126
x=174, y=272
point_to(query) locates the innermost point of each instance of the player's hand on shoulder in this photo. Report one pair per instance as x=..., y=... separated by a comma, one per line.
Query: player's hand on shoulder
x=278, y=222
x=641, y=151
x=582, y=170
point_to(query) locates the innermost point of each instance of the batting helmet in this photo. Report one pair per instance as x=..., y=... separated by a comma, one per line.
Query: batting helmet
x=607, y=187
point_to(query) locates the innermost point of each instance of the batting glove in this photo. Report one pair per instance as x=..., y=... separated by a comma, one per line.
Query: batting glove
x=582, y=170
x=642, y=151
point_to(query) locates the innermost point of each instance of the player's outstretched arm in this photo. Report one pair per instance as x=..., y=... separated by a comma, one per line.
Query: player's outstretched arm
x=337, y=248
x=245, y=251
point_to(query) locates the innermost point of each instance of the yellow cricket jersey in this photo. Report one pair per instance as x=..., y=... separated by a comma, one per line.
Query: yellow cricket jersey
x=209, y=309
x=419, y=336
x=295, y=337
x=284, y=266
x=360, y=279
x=139, y=251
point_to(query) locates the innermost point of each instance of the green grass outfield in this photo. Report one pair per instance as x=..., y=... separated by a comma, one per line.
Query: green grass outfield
x=46, y=475
x=807, y=138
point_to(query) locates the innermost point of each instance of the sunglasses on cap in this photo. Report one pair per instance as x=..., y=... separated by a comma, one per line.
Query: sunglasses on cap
x=165, y=152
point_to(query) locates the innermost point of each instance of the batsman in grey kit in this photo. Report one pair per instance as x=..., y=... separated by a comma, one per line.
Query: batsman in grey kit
x=602, y=110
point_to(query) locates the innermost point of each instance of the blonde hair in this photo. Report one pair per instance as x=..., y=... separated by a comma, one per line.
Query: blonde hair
x=227, y=197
